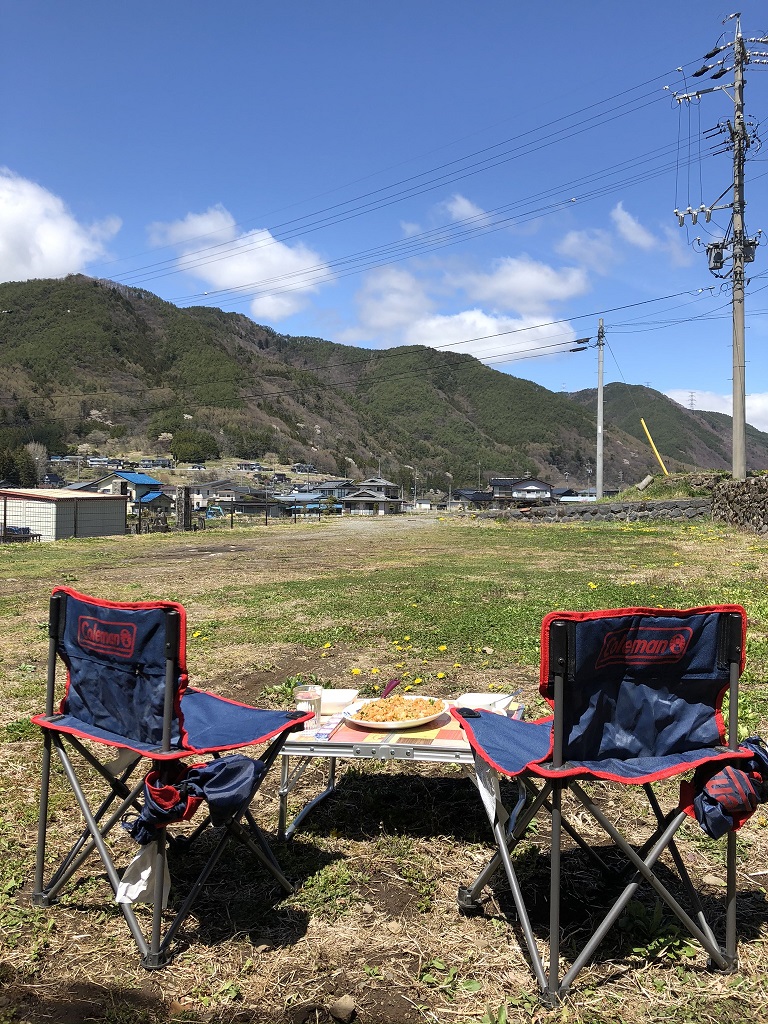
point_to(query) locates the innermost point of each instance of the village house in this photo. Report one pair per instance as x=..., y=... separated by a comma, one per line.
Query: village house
x=517, y=489
x=135, y=486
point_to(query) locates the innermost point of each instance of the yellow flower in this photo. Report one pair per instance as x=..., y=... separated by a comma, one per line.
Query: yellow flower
x=356, y=671
x=406, y=638
x=408, y=687
x=326, y=646
x=417, y=680
x=443, y=647
x=457, y=664
x=441, y=675
x=400, y=664
x=324, y=654
x=375, y=671
x=592, y=586
x=196, y=634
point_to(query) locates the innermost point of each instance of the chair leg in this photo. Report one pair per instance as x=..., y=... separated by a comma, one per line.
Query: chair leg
x=682, y=871
x=551, y=993
x=468, y=895
x=100, y=845
x=39, y=897
x=731, y=937
x=644, y=866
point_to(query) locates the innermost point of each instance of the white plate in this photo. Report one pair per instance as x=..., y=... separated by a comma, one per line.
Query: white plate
x=334, y=701
x=408, y=723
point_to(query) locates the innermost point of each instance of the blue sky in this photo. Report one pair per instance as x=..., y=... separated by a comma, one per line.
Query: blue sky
x=487, y=178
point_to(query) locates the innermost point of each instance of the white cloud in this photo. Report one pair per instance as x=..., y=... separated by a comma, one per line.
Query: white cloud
x=631, y=230
x=476, y=332
x=39, y=236
x=525, y=285
x=212, y=250
x=460, y=208
x=397, y=307
x=409, y=228
x=389, y=301
x=592, y=248
x=680, y=253
x=757, y=404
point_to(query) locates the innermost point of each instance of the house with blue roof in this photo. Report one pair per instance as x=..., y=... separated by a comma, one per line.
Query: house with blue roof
x=134, y=485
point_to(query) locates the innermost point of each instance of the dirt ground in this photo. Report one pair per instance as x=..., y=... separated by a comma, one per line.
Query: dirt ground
x=373, y=932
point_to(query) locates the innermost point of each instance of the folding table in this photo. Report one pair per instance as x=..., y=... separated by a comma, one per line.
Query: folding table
x=442, y=741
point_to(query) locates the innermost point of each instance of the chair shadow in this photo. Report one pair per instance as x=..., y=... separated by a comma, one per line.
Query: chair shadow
x=76, y=1002
x=365, y=804
x=240, y=897
x=588, y=893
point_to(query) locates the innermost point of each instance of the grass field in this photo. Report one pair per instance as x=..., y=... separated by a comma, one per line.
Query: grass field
x=448, y=606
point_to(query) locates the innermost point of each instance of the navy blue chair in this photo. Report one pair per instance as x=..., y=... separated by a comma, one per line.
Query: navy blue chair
x=127, y=708
x=636, y=697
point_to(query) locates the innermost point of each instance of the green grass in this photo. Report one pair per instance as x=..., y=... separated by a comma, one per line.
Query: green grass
x=496, y=587
x=469, y=594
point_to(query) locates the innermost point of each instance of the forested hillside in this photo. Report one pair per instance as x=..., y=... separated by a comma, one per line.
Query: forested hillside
x=87, y=362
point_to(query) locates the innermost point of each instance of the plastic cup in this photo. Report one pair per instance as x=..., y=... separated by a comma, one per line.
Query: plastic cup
x=309, y=698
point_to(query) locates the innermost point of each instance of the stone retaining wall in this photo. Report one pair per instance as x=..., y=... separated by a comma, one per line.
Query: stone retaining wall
x=680, y=509
x=742, y=503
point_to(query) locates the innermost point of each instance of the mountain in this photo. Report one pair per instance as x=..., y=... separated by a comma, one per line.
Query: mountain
x=89, y=361
x=701, y=439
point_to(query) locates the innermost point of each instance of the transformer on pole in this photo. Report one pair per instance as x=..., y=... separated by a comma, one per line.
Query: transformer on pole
x=735, y=246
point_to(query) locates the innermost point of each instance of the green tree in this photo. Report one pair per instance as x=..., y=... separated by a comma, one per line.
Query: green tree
x=194, y=446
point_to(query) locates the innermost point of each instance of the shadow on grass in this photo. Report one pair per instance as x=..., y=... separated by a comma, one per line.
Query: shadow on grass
x=240, y=897
x=365, y=805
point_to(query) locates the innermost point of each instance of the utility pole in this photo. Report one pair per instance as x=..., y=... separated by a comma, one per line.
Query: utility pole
x=599, y=456
x=735, y=244
x=740, y=141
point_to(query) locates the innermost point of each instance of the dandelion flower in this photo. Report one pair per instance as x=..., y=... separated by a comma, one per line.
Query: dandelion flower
x=375, y=671
x=356, y=671
x=457, y=664
x=443, y=647
x=327, y=645
x=417, y=681
x=441, y=675
x=406, y=638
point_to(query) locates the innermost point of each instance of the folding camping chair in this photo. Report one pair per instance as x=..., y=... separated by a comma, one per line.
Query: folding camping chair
x=637, y=696
x=127, y=694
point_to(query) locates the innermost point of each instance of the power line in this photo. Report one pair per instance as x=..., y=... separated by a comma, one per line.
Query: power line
x=540, y=129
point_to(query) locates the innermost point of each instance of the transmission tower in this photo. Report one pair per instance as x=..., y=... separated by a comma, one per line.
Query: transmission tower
x=735, y=247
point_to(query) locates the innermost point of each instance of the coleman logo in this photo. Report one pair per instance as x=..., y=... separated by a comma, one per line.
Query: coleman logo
x=118, y=638
x=648, y=645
